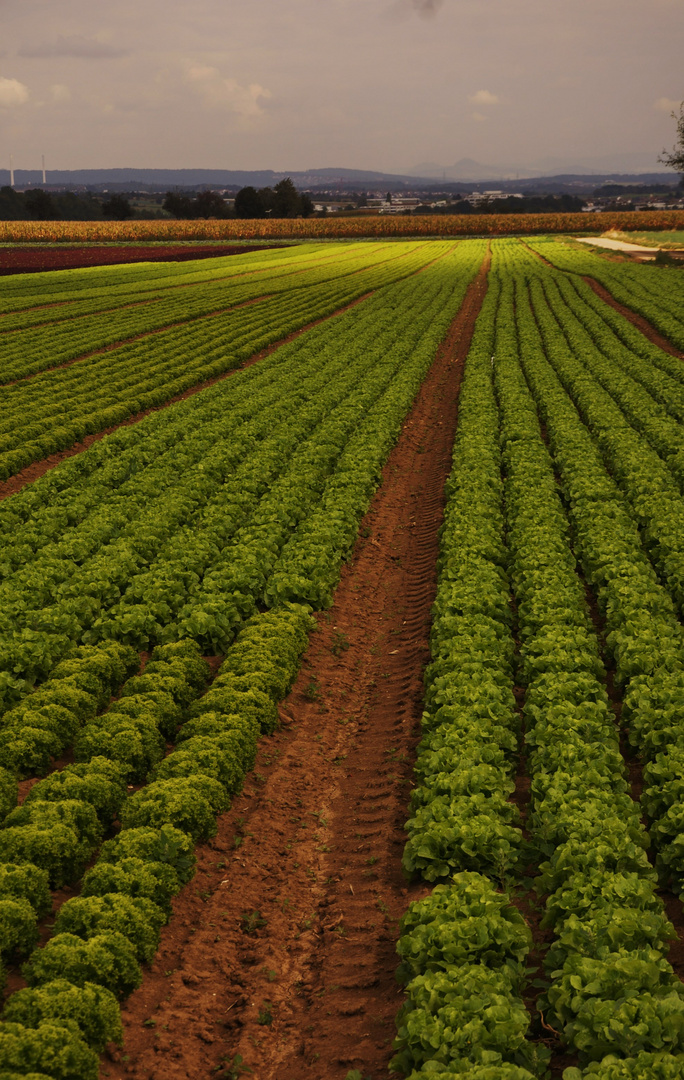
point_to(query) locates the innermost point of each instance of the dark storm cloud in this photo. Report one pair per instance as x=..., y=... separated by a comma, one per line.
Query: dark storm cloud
x=72, y=45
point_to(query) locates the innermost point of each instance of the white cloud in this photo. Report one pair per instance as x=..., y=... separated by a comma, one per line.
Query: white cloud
x=666, y=104
x=72, y=45
x=478, y=116
x=12, y=92
x=483, y=97
x=219, y=92
x=60, y=92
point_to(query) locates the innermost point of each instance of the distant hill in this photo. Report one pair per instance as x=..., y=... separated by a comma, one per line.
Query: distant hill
x=474, y=176
x=163, y=179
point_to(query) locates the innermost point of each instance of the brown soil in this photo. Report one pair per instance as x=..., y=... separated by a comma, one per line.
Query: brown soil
x=39, y=468
x=637, y=320
x=282, y=949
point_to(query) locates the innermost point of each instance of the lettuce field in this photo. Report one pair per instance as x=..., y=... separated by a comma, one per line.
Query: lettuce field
x=342, y=665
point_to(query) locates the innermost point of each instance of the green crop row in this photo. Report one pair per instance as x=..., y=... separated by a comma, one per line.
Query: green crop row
x=649, y=485
x=174, y=527
x=70, y=1009
x=57, y=408
x=29, y=292
x=463, y=948
x=612, y=995
x=661, y=374
x=643, y=639
x=106, y=288
x=612, y=990
x=27, y=351
x=652, y=402
x=643, y=633
x=655, y=292
x=188, y=788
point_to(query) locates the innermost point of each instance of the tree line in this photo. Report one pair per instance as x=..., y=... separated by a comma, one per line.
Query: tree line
x=281, y=201
x=35, y=204
x=39, y=205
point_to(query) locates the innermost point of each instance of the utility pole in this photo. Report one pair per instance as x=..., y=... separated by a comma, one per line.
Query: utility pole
x=11, y=170
x=43, y=160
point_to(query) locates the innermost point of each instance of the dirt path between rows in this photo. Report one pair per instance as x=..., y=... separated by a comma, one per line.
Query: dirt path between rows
x=38, y=468
x=639, y=321
x=282, y=950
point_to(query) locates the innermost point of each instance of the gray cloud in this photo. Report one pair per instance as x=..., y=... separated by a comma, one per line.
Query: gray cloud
x=427, y=8
x=379, y=85
x=74, y=46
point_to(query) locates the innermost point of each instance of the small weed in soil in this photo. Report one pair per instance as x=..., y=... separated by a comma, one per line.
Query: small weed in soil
x=251, y=921
x=233, y=1069
x=340, y=643
x=313, y=691
x=265, y=1014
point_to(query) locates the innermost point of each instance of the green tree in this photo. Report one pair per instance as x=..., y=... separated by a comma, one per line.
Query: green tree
x=287, y=201
x=248, y=203
x=281, y=201
x=40, y=205
x=178, y=205
x=11, y=205
x=675, y=159
x=117, y=207
x=209, y=204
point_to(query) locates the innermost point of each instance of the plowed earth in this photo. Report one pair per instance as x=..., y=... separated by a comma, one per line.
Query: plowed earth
x=281, y=951
x=37, y=258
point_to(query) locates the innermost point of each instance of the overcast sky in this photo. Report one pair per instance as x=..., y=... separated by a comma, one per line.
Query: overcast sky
x=296, y=84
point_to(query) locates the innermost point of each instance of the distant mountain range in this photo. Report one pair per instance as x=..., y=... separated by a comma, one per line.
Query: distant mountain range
x=557, y=172
x=468, y=169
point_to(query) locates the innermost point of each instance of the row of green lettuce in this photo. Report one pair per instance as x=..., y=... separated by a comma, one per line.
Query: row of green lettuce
x=54, y=341
x=102, y=284
x=612, y=993
x=62, y=298
x=70, y=1009
x=654, y=504
x=246, y=494
x=464, y=947
x=642, y=446
x=644, y=636
x=612, y=996
x=54, y=409
x=654, y=292
x=644, y=640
